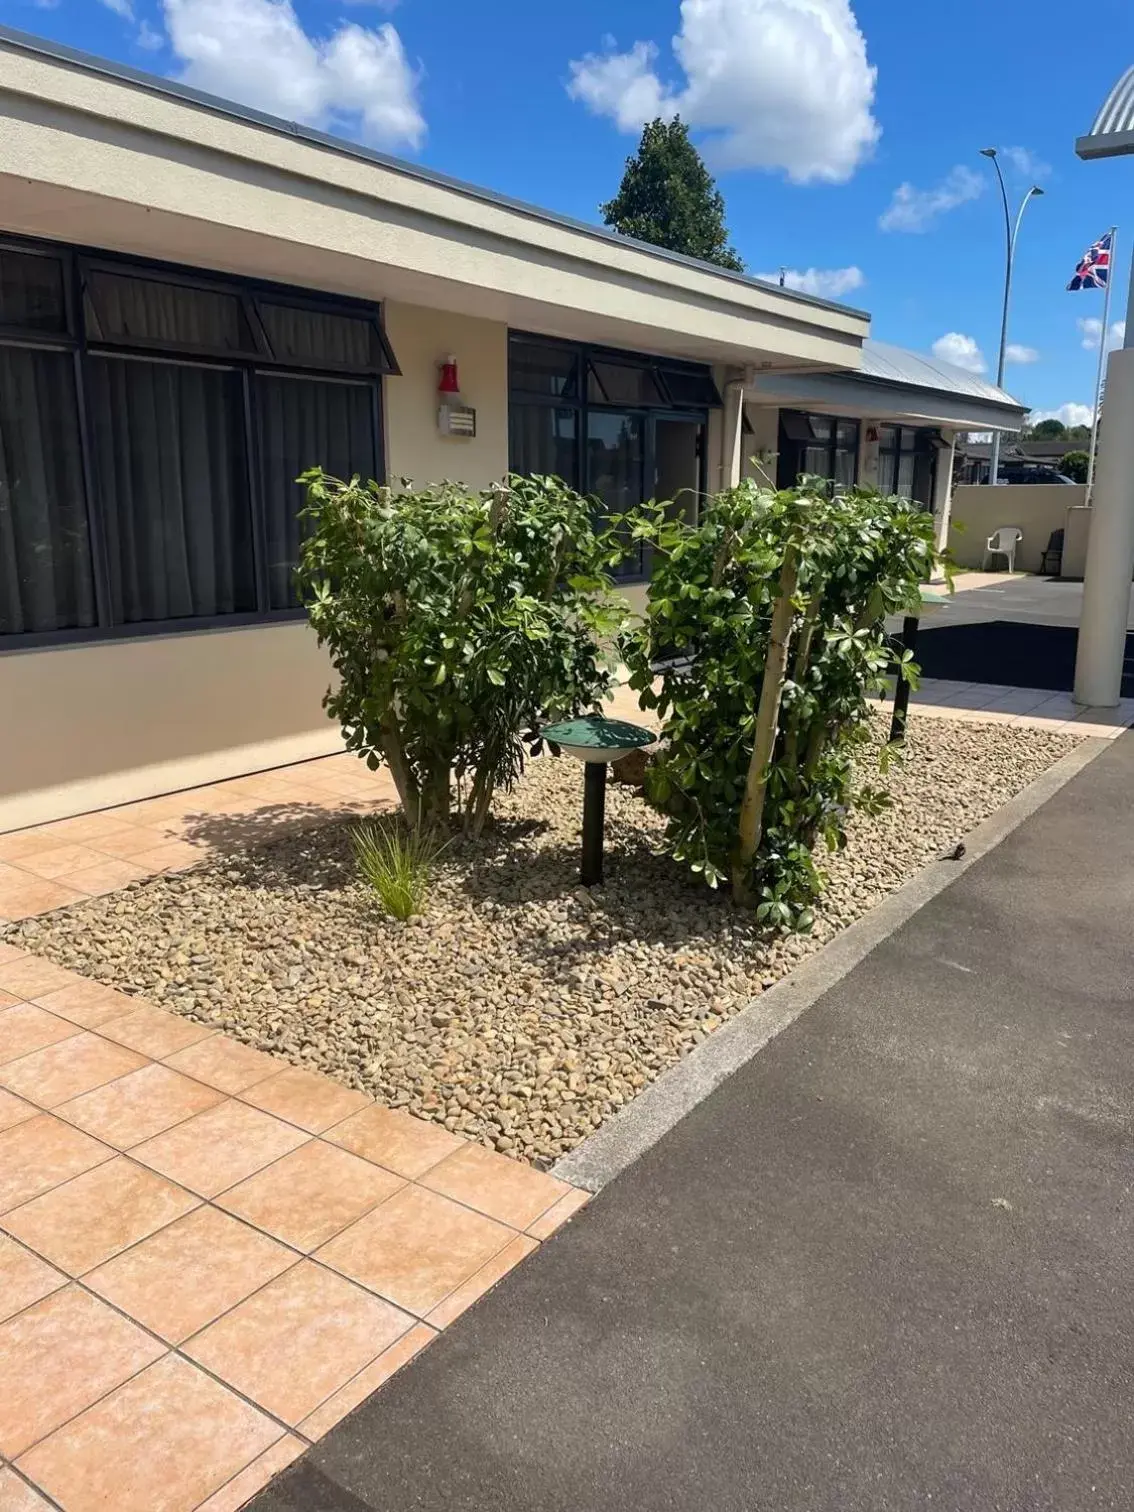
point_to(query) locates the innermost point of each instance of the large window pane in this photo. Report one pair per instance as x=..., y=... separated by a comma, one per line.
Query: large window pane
x=45, y=562
x=620, y=383
x=549, y=370
x=169, y=456
x=126, y=309
x=541, y=442
x=320, y=338
x=615, y=469
x=31, y=292
x=306, y=422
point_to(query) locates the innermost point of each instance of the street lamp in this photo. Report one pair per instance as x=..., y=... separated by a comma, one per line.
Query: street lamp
x=1011, y=233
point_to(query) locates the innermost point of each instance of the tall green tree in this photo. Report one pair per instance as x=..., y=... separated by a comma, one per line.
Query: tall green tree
x=668, y=197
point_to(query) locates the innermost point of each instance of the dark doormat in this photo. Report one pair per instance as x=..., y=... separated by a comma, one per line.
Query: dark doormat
x=1006, y=651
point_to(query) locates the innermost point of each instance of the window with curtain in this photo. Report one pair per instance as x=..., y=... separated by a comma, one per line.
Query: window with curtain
x=542, y=442
x=46, y=581
x=172, y=477
x=152, y=427
x=616, y=469
x=818, y=444
x=303, y=423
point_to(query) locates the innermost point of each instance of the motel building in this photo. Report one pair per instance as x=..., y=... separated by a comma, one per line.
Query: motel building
x=197, y=302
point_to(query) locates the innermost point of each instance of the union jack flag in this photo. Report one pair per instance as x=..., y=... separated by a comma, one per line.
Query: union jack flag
x=1094, y=267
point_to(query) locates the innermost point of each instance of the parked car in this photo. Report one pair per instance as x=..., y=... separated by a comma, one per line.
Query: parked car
x=1017, y=473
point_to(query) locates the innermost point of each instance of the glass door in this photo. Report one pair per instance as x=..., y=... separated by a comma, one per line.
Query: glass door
x=616, y=470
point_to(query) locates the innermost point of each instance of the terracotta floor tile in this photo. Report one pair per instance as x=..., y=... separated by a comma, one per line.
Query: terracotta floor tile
x=22, y=896
x=83, y=829
x=311, y=1195
x=225, y=1064
x=26, y=1028
x=17, y=1496
x=184, y=1277
x=87, y=1220
x=9, y=999
x=172, y=856
x=483, y=1281
x=30, y=976
x=138, y=1106
x=107, y=875
x=410, y=1146
x=155, y=1032
x=17, y=844
x=59, y=859
x=239, y=1491
x=161, y=1443
x=130, y=841
x=14, y=1110
x=493, y=1184
x=368, y=1380
x=10, y=953
x=24, y=1279
x=306, y=1098
x=40, y=1153
x=90, y=1004
x=416, y=1248
x=58, y=1357
x=220, y=1147
x=298, y=1340
x=68, y=1069
x=556, y=1217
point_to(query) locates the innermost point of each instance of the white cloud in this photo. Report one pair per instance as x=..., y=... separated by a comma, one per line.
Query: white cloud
x=961, y=351
x=916, y=209
x=1070, y=414
x=1027, y=163
x=149, y=39
x=827, y=283
x=1020, y=354
x=123, y=8
x=777, y=84
x=256, y=51
x=1091, y=331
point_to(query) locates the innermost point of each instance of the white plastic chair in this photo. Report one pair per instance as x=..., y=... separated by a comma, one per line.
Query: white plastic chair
x=1003, y=543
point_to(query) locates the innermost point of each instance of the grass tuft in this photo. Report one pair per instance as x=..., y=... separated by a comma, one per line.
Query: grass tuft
x=397, y=865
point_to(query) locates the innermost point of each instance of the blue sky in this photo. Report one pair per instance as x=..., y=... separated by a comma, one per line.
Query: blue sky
x=814, y=113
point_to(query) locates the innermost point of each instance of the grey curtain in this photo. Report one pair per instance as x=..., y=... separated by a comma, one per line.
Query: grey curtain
x=541, y=442
x=306, y=422
x=45, y=561
x=170, y=463
x=130, y=309
x=318, y=337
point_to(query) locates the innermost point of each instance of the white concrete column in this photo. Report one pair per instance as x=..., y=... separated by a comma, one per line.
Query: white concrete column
x=1110, y=551
x=732, y=448
x=943, y=489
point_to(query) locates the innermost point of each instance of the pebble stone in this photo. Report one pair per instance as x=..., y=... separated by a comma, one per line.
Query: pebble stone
x=520, y=1010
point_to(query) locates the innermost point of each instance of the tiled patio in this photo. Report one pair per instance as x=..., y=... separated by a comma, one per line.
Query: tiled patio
x=208, y=1257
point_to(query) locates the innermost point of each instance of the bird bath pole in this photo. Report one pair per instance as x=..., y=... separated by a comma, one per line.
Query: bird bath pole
x=596, y=742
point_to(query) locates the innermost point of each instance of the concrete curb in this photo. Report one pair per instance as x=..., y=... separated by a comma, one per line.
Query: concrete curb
x=609, y=1151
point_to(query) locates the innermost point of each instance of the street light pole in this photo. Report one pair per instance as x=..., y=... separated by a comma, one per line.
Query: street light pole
x=1011, y=236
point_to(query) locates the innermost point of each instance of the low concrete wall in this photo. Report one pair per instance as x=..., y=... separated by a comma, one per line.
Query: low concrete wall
x=1078, y=530
x=1036, y=509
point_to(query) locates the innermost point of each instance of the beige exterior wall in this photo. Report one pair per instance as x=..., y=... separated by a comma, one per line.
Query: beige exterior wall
x=1036, y=509
x=90, y=726
x=1075, y=541
x=415, y=448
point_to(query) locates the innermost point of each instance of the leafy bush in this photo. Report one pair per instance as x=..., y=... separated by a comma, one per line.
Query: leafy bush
x=770, y=612
x=1075, y=465
x=455, y=621
x=397, y=864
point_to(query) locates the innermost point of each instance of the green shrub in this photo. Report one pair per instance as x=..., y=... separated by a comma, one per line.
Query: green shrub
x=772, y=610
x=397, y=864
x=456, y=621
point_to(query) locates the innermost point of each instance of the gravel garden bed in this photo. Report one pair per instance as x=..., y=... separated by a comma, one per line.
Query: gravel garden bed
x=521, y=1010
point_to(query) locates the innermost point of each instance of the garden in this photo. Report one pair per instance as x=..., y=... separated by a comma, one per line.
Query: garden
x=447, y=960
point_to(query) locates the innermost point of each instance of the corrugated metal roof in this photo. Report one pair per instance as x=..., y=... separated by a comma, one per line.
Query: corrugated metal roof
x=1112, y=135
x=893, y=364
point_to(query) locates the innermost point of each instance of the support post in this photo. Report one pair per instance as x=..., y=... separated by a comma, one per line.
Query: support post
x=902, y=692
x=594, y=821
x=1110, y=549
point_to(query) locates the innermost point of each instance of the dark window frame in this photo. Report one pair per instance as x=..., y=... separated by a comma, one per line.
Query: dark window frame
x=801, y=421
x=83, y=344
x=582, y=405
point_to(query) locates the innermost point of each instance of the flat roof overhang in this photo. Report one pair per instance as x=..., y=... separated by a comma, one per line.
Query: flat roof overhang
x=104, y=157
x=874, y=399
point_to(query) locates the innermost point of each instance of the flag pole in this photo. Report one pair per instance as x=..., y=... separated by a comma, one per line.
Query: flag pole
x=1102, y=361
